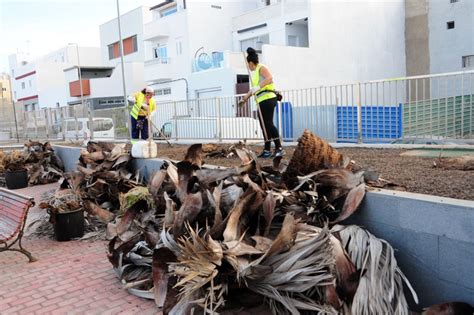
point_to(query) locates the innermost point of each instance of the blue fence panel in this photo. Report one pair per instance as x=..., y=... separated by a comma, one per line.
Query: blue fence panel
x=379, y=123
x=287, y=121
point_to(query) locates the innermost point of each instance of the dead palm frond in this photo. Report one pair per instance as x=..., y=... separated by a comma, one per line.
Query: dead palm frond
x=294, y=276
x=196, y=270
x=380, y=289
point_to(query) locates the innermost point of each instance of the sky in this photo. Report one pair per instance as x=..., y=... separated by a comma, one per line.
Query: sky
x=42, y=26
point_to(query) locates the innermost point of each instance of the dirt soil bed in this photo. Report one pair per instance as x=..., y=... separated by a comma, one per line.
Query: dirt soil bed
x=416, y=174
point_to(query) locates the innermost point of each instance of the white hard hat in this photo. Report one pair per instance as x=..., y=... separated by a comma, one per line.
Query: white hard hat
x=149, y=89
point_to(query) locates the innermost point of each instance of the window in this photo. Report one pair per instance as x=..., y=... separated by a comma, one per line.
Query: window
x=29, y=83
x=166, y=91
x=216, y=6
x=14, y=94
x=130, y=45
x=453, y=1
x=254, y=42
x=71, y=125
x=114, y=50
x=468, y=61
x=23, y=85
x=161, y=53
x=169, y=11
x=450, y=25
x=101, y=125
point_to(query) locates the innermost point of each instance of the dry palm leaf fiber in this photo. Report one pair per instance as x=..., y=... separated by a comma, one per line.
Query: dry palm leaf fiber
x=311, y=154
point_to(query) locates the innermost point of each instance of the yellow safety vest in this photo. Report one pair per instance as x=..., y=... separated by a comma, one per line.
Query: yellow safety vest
x=256, y=80
x=136, y=109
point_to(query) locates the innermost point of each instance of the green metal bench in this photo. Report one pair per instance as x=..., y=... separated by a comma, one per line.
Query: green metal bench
x=14, y=209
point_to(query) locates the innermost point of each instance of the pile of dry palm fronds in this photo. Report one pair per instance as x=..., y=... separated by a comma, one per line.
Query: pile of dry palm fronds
x=199, y=239
x=101, y=178
x=38, y=159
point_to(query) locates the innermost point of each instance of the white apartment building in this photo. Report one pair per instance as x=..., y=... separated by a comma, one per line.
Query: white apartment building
x=102, y=84
x=193, y=49
x=41, y=83
x=188, y=49
x=311, y=43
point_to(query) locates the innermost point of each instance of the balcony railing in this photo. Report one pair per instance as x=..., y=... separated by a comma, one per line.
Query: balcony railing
x=158, y=69
x=161, y=61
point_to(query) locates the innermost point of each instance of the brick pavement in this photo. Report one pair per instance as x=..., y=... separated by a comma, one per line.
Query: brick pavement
x=69, y=278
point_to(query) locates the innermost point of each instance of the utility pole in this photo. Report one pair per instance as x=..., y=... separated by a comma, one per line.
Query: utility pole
x=14, y=112
x=125, y=103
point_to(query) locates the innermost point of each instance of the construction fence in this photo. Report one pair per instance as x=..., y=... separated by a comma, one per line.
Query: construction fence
x=438, y=107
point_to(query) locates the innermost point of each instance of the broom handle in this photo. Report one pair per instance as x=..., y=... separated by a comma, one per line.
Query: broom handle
x=255, y=96
x=150, y=135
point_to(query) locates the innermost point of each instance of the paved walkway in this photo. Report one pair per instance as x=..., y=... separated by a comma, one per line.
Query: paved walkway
x=69, y=278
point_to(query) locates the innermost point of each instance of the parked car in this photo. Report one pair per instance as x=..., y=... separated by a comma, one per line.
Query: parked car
x=103, y=128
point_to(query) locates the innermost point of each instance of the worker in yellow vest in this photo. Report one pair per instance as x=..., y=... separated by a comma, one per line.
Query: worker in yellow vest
x=264, y=91
x=143, y=106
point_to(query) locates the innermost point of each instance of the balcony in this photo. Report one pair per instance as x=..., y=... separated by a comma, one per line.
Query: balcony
x=266, y=13
x=166, y=26
x=158, y=69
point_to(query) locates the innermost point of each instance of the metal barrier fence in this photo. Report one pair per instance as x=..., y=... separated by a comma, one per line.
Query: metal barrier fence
x=437, y=107
x=423, y=107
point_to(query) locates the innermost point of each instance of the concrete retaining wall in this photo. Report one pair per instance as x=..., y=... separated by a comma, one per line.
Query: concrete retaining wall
x=433, y=236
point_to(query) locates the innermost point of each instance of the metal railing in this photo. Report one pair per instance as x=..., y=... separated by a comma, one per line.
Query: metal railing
x=438, y=107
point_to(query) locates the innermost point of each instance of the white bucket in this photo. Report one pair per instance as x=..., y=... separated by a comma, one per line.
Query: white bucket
x=144, y=150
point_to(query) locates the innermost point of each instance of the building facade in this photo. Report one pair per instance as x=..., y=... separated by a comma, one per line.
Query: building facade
x=439, y=36
x=40, y=83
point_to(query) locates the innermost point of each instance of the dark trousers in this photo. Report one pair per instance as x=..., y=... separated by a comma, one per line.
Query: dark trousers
x=267, y=108
x=140, y=125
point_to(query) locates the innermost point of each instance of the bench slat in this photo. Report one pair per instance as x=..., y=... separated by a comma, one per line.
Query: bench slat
x=14, y=202
x=11, y=217
x=13, y=194
x=7, y=228
x=12, y=209
x=8, y=231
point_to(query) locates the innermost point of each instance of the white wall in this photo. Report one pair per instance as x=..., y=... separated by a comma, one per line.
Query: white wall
x=201, y=16
x=131, y=24
x=50, y=84
x=344, y=47
x=448, y=46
